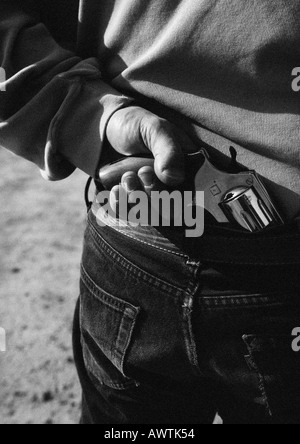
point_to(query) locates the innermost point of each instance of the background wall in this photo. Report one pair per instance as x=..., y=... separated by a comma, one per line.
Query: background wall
x=41, y=232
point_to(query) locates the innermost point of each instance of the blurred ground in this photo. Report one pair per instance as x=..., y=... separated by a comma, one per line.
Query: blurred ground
x=41, y=231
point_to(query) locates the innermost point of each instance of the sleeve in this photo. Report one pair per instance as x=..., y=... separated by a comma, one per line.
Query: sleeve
x=54, y=107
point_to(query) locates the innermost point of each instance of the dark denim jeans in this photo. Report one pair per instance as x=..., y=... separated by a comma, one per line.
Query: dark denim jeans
x=161, y=338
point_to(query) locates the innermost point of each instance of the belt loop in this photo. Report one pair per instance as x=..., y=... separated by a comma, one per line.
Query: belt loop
x=86, y=194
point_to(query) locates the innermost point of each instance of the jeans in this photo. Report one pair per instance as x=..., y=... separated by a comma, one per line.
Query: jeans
x=162, y=338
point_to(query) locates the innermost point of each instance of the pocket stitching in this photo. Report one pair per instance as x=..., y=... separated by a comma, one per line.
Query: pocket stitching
x=149, y=279
x=174, y=253
x=109, y=383
x=129, y=314
x=106, y=298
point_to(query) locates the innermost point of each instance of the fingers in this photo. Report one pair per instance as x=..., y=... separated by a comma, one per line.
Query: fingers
x=114, y=199
x=148, y=179
x=130, y=183
x=145, y=180
x=159, y=137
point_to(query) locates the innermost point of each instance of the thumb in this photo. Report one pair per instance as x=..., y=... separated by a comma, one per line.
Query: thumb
x=159, y=138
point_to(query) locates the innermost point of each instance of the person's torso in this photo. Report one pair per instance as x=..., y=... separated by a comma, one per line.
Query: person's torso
x=226, y=65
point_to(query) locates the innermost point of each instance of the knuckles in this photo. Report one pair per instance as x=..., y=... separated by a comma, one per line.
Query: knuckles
x=134, y=119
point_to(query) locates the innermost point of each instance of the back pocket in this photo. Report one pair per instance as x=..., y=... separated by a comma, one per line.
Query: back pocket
x=278, y=370
x=107, y=325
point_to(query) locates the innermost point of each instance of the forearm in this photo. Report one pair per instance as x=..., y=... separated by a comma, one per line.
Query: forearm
x=55, y=107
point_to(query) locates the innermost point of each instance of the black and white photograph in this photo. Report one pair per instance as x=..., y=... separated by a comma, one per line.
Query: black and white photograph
x=149, y=214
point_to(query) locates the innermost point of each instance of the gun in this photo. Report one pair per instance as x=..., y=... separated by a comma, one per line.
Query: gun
x=237, y=196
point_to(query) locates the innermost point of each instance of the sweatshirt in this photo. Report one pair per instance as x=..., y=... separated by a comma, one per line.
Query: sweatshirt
x=221, y=69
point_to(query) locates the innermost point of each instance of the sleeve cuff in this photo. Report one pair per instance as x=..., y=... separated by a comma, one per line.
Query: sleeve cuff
x=79, y=128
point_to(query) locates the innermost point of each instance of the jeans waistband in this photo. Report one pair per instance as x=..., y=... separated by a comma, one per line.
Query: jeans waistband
x=169, y=240
x=278, y=247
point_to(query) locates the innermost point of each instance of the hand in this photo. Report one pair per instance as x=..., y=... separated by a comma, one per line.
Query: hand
x=134, y=131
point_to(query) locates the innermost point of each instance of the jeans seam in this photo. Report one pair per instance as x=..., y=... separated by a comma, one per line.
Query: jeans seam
x=261, y=380
x=236, y=307
x=110, y=383
x=129, y=339
x=256, y=300
x=165, y=250
x=244, y=296
x=91, y=285
x=188, y=307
